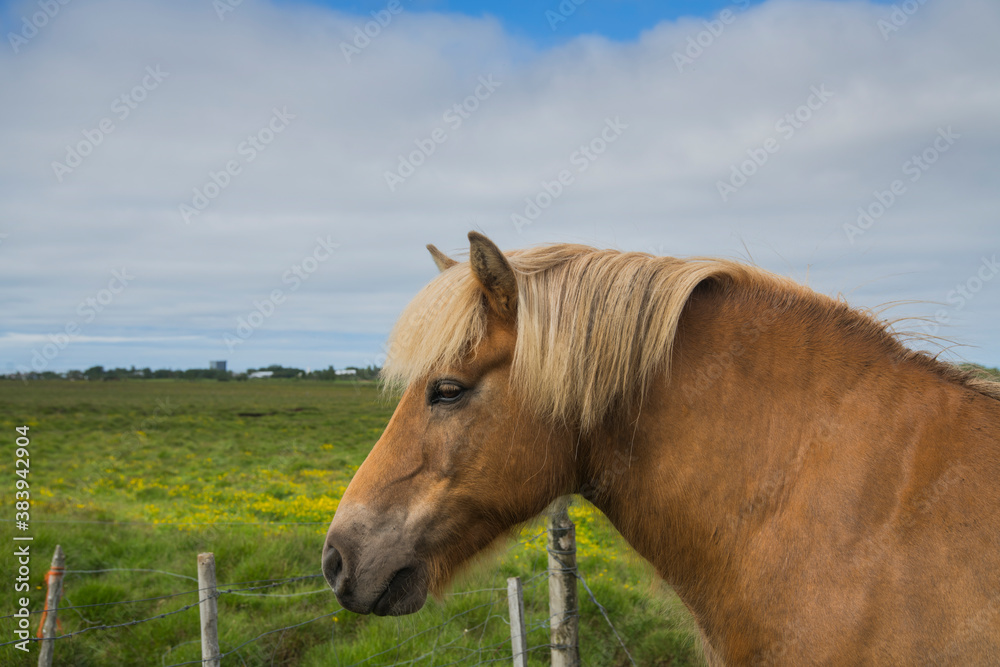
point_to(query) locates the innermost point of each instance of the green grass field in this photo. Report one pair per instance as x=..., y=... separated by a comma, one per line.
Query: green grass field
x=144, y=475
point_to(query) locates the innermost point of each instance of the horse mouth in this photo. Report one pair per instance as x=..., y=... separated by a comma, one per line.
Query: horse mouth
x=405, y=593
x=378, y=578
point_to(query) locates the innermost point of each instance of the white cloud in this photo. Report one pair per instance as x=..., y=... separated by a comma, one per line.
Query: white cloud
x=654, y=188
x=18, y=340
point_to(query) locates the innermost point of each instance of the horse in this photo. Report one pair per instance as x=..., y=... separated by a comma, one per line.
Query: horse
x=813, y=490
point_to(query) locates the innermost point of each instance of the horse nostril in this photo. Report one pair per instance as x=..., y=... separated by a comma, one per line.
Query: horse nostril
x=333, y=565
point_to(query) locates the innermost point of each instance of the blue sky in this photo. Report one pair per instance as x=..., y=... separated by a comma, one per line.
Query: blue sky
x=620, y=20
x=542, y=22
x=815, y=138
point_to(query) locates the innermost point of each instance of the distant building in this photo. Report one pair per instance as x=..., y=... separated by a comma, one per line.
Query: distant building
x=260, y=374
x=347, y=371
x=217, y=366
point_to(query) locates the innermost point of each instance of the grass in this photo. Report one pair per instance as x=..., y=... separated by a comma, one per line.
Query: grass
x=147, y=474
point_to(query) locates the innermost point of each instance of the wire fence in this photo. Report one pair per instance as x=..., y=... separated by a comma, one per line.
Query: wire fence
x=466, y=637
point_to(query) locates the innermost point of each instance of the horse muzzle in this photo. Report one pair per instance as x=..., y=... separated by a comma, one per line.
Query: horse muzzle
x=372, y=571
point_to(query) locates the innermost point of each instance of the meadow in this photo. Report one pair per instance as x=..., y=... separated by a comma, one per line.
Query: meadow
x=134, y=478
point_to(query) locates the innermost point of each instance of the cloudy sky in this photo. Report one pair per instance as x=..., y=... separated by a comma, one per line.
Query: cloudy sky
x=255, y=181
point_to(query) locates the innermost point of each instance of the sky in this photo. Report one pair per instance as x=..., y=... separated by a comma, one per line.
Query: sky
x=255, y=181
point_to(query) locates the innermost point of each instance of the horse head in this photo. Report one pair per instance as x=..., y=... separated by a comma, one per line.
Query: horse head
x=461, y=462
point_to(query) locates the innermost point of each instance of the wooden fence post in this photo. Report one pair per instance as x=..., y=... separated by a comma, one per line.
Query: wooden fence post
x=209, y=610
x=564, y=613
x=518, y=641
x=47, y=629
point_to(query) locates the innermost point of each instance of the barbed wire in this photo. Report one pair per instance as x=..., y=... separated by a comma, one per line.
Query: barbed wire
x=325, y=589
x=424, y=632
x=260, y=636
x=219, y=593
x=108, y=627
x=481, y=653
x=502, y=644
x=177, y=523
x=130, y=569
x=185, y=576
x=219, y=589
x=412, y=637
x=450, y=645
x=222, y=588
x=105, y=604
x=604, y=613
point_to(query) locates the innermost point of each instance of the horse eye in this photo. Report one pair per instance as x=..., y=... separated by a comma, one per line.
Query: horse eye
x=447, y=392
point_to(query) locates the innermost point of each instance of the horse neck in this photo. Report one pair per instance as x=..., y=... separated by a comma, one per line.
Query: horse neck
x=761, y=382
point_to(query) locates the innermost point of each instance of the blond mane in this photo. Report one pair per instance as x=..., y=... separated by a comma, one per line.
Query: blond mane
x=594, y=327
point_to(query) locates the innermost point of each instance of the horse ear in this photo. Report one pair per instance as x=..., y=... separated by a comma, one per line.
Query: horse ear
x=495, y=274
x=443, y=261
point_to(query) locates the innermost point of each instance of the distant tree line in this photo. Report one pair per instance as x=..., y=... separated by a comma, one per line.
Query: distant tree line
x=353, y=373
x=99, y=373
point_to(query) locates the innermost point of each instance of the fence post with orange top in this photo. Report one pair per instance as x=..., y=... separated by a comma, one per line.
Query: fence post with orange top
x=47, y=626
